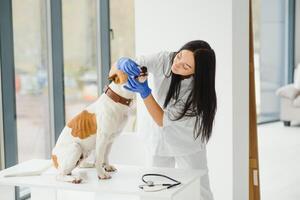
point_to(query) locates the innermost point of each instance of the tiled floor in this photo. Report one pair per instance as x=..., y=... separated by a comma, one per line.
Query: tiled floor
x=279, y=157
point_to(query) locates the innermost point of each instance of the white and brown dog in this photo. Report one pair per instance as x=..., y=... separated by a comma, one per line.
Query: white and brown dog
x=95, y=129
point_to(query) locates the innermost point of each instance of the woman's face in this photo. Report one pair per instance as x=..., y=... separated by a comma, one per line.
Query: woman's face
x=184, y=63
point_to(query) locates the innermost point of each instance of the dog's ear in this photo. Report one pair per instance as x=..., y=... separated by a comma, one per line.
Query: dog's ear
x=117, y=76
x=114, y=78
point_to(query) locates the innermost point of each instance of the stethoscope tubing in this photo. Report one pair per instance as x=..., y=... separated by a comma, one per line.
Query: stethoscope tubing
x=151, y=184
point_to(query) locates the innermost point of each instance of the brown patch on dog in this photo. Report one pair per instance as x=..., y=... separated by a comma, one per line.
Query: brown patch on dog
x=117, y=76
x=83, y=125
x=54, y=160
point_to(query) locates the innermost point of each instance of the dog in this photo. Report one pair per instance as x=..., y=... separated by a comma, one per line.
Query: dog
x=95, y=128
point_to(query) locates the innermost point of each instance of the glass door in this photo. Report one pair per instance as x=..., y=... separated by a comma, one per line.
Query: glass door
x=79, y=19
x=272, y=69
x=122, y=38
x=31, y=81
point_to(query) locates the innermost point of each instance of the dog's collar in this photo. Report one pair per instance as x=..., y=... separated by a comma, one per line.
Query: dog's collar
x=115, y=97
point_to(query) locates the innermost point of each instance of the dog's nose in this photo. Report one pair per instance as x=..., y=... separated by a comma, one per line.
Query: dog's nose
x=144, y=69
x=143, y=75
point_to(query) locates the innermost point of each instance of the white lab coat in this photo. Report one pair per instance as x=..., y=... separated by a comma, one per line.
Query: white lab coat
x=175, y=138
x=173, y=144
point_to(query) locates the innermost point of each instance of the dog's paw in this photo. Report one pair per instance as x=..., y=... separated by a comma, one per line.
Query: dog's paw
x=77, y=180
x=104, y=176
x=109, y=168
x=70, y=179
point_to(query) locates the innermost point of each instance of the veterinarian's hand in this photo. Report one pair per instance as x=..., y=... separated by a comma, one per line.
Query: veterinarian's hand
x=135, y=86
x=128, y=66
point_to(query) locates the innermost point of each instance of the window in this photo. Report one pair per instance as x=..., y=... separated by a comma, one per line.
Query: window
x=122, y=38
x=31, y=79
x=272, y=54
x=80, y=54
x=256, y=36
x=122, y=29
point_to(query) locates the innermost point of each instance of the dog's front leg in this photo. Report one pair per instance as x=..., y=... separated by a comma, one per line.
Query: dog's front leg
x=101, y=147
x=107, y=166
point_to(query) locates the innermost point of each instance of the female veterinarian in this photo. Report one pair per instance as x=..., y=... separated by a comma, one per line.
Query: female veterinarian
x=182, y=103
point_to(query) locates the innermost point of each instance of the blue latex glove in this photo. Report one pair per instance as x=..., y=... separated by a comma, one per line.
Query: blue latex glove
x=135, y=86
x=128, y=66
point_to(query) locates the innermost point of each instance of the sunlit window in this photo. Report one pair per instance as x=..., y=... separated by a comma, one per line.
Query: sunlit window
x=122, y=29
x=31, y=81
x=31, y=76
x=80, y=54
x=123, y=38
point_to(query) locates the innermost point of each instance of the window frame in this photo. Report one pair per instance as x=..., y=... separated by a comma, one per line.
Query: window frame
x=1, y=122
x=8, y=84
x=290, y=40
x=55, y=74
x=8, y=101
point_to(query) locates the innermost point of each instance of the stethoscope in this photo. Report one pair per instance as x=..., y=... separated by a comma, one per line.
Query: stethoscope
x=149, y=186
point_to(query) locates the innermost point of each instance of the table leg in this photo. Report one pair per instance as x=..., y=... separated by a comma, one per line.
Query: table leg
x=7, y=192
x=191, y=192
x=38, y=193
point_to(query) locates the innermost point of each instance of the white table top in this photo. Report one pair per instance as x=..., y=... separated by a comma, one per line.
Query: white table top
x=124, y=181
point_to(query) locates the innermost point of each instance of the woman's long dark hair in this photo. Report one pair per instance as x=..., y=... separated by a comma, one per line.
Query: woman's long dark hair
x=202, y=101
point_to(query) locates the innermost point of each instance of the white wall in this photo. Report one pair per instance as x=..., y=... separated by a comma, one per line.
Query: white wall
x=167, y=25
x=240, y=98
